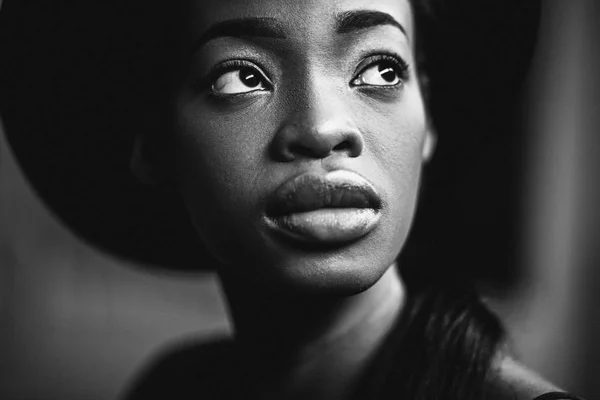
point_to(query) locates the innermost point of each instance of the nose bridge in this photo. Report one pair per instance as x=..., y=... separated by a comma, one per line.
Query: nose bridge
x=321, y=101
x=320, y=118
x=326, y=111
x=318, y=122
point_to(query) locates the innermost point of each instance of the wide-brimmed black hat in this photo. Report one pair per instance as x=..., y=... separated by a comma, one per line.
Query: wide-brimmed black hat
x=79, y=79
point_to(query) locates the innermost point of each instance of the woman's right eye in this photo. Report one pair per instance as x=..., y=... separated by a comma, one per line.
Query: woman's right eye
x=239, y=80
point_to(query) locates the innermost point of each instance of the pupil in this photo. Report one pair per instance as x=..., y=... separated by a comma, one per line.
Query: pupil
x=249, y=77
x=387, y=72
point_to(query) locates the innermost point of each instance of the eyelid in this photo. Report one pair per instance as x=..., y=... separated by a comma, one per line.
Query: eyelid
x=233, y=65
x=373, y=58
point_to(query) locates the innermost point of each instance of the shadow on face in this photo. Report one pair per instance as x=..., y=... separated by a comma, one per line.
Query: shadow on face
x=314, y=107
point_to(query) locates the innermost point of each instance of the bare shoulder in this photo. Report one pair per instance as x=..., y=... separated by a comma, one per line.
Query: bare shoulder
x=514, y=381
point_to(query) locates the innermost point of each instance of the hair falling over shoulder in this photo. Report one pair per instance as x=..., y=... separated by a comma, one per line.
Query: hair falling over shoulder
x=445, y=349
x=447, y=338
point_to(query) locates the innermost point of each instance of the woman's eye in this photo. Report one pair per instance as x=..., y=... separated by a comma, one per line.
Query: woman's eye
x=240, y=80
x=383, y=73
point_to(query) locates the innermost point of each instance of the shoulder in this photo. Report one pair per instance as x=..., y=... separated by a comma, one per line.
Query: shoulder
x=182, y=369
x=511, y=380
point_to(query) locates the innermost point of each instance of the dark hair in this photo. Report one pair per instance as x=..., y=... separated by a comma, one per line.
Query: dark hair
x=443, y=347
x=450, y=339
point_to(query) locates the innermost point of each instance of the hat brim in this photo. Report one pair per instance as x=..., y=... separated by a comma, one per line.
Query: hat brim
x=74, y=92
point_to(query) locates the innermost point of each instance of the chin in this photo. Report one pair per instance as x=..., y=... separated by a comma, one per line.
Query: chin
x=293, y=268
x=335, y=280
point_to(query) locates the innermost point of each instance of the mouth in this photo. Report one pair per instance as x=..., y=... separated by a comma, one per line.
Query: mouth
x=335, y=208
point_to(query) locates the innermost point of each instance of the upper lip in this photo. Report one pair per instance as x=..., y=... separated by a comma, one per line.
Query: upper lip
x=308, y=192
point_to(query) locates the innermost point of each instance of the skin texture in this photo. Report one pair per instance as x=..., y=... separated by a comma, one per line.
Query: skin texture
x=309, y=318
x=231, y=154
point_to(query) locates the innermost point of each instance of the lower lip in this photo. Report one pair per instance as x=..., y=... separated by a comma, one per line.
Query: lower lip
x=327, y=225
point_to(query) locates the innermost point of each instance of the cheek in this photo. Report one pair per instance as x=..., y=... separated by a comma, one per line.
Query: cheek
x=403, y=158
x=221, y=149
x=395, y=139
x=219, y=161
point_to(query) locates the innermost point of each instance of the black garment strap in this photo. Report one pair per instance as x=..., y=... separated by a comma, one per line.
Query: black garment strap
x=557, y=396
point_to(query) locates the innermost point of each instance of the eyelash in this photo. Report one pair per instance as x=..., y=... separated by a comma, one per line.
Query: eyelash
x=370, y=60
x=228, y=66
x=232, y=65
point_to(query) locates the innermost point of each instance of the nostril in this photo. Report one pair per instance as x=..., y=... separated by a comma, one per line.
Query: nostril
x=315, y=140
x=308, y=151
x=345, y=145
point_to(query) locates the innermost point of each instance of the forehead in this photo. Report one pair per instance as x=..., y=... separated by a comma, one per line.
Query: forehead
x=296, y=16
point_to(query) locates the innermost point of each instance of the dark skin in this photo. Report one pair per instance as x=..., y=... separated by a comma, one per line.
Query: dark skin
x=301, y=90
x=313, y=317
x=234, y=150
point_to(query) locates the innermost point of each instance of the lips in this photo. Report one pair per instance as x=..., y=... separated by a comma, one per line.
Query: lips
x=337, y=207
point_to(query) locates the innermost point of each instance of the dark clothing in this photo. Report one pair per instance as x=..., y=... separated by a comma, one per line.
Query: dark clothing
x=191, y=372
x=557, y=396
x=211, y=371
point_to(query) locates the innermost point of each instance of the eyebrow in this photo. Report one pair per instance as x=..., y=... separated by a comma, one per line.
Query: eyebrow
x=243, y=27
x=352, y=21
x=265, y=27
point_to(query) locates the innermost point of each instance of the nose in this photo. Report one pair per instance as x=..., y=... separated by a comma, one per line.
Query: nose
x=317, y=132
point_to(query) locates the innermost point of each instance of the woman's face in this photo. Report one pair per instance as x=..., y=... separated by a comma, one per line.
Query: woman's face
x=300, y=137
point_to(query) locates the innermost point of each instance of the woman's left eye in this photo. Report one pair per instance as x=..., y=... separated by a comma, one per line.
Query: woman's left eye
x=239, y=80
x=382, y=73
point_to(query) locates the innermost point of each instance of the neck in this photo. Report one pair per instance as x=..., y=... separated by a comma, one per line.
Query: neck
x=312, y=346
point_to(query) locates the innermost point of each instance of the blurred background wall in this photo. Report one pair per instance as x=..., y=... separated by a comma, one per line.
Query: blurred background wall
x=76, y=324
x=551, y=312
